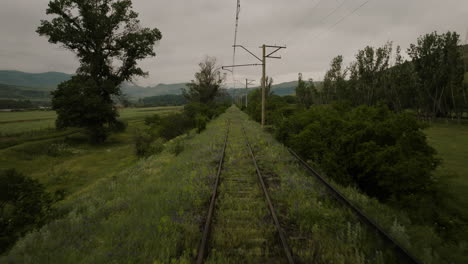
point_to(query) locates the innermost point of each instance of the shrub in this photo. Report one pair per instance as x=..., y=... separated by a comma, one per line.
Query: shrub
x=174, y=125
x=157, y=146
x=24, y=204
x=153, y=120
x=200, y=122
x=385, y=154
x=142, y=143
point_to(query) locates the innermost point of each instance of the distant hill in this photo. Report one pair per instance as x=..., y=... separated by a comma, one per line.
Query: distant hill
x=160, y=89
x=33, y=86
x=44, y=81
x=23, y=93
x=37, y=86
x=286, y=88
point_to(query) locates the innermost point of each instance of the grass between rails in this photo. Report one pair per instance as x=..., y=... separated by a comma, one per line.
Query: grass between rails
x=243, y=230
x=149, y=212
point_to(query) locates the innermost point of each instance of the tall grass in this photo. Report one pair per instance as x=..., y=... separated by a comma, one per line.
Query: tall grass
x=148, y=213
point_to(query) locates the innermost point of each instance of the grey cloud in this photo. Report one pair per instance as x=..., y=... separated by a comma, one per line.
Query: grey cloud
x=194, y=29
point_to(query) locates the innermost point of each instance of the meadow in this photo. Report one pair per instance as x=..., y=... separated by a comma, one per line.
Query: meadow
x=150, y=210
x=12, y=123
x=451, y=142
x=64, y=161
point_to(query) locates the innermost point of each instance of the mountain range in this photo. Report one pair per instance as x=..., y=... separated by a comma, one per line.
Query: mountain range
x=37, y=86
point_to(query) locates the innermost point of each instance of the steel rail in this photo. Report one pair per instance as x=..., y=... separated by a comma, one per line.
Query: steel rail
x=282, y=236
x=339, y=196
x=202, y=249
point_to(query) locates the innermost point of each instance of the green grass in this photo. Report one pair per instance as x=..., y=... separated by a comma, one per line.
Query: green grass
x=451, y=142
x=148, y=212
x=64, y=160
x=151, y=210
x=27, y=115
x=12, y=123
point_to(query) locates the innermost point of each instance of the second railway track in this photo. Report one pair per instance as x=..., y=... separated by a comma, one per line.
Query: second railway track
x=241, y=226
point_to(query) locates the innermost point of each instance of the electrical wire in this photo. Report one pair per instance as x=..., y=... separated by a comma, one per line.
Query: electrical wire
x=324, y=18
x=343, y=18
x=235, y=42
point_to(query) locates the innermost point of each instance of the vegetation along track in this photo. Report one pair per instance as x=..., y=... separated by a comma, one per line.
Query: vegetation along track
x=241, y=226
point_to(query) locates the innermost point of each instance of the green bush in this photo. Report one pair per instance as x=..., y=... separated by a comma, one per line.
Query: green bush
x=200, y=122
x=157, y=146
x=153, y=120
x=174, y=125
x=385, y=154
x=24, y=205
x=143, y=142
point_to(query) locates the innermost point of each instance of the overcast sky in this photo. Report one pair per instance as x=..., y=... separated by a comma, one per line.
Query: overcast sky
x=193, y=29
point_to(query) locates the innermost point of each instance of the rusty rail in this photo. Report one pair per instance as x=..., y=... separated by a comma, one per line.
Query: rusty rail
x=202, y=250
x=282, y=236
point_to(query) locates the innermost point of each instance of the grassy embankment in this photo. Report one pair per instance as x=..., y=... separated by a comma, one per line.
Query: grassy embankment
x=64, y=160
x=150, y=212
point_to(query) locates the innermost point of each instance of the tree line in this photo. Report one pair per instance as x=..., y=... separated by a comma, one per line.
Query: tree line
x=428, y=79
x=363, y=127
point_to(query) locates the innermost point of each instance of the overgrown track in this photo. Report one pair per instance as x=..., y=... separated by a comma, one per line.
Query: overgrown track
x=241, y=226
x=209, y=219
x=400, y=250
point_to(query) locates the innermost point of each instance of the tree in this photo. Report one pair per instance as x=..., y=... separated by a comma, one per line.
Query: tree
x=305, y=92
x=438, y=62
x=401, y=84
x=207, y=84
x=367, y=74
x=334, y=81
x=107, y=38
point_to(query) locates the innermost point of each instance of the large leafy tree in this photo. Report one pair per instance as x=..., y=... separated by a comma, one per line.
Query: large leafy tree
x=108, y=39
x=334, y=81
x=438, y=61
x=207, y=84
x=367, y=74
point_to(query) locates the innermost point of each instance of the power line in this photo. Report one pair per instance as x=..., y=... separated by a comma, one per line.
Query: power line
x=332, y=12
x=343, y=18
x=235, y=41
x=326, y=16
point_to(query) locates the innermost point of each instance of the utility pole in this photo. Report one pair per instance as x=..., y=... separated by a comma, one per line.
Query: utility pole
x=263, y=83
x=263, y=64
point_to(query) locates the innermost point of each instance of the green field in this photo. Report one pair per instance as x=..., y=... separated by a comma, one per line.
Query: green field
x=64, y=160
x=19, y=122
x=122, y=210
x=451, y=143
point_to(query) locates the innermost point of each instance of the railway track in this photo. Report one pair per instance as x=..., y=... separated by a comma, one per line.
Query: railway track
x=241, y=225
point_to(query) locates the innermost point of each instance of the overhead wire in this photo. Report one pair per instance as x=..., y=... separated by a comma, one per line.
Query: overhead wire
x=326, y=16
x=343, y=18
x=235, y=42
